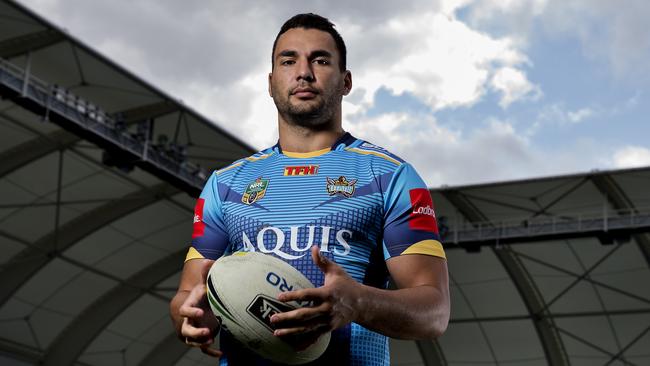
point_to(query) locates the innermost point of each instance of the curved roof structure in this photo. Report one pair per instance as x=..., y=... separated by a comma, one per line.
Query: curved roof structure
x=97, y=170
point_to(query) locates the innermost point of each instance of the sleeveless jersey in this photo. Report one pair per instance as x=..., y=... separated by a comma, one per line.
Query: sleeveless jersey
x=359, y=203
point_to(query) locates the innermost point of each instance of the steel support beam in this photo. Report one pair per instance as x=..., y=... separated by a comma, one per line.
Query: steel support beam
x=544, y=324
x=620, y=201
x=431, y=353
x=34, y=149
x=549, y=336
x=71, y=343
x=149, y=111
x=29, y=42
x=26, y=263
x=43, y=145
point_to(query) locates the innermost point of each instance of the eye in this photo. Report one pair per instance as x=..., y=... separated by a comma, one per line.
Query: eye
x=287, y=62
x=322, y=61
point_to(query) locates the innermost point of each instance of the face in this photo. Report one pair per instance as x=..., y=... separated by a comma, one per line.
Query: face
x=306, y=83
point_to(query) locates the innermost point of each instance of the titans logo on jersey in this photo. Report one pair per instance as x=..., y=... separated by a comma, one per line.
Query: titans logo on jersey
x=360, y=204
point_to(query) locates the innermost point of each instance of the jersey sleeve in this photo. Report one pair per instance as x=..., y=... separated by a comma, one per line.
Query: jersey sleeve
x=209, y=235
x=410, y=225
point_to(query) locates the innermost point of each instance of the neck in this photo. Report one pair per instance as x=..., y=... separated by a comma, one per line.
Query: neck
x=295, y=138
x=302, y=139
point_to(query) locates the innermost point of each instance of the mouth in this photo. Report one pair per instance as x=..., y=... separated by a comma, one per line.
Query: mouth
x=304, y=93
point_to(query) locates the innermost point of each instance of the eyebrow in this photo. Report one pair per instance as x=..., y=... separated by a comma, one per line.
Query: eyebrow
x=312, y=55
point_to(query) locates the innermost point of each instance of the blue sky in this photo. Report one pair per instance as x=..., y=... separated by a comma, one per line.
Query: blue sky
x=467, y=90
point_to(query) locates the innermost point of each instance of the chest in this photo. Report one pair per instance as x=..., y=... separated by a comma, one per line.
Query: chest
x=285, y=208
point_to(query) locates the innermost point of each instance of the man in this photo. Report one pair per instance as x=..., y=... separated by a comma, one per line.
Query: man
x=344, y=212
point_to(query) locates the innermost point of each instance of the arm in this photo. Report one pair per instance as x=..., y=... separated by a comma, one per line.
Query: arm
x=418, y=310
x=194, y=322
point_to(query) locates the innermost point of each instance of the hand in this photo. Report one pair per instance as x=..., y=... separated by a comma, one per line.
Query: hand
x=336, y=305
x=200, y=326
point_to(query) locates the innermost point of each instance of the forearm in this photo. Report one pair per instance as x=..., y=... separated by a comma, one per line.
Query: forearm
x=174, y=307
x=420, y=312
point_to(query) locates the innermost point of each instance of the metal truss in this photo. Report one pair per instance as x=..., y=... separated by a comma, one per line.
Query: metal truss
x=620, y=201
x=550, y=339
x=71, y=343
x=579, y=277
x=26, y=263
x=92, y=123
x=29, y=42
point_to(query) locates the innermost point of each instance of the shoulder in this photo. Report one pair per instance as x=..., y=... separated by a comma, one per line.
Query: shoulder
x=376, y=154
x=240, y=164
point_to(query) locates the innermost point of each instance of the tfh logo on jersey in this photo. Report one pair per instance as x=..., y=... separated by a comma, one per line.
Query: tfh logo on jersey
x=198, y=227
x=301, y=170
x=341, y=186
x=422, y=216
x=255, y=191
x=271, y=239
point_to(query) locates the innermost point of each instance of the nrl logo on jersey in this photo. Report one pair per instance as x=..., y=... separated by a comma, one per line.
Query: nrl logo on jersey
x=255, y=191
x=341, y=186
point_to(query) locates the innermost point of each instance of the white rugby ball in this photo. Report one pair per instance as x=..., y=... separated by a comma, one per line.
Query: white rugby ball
x=242, y=290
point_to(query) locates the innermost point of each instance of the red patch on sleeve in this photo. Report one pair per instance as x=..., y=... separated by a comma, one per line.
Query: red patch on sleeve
x=198, y=226
x=422, y=216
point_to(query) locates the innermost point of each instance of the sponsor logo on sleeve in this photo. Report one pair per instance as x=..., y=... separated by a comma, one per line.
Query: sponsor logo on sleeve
x=301, y=170
x=341, y=186
x=422, y=215
x=198, y=226
x=255, y=191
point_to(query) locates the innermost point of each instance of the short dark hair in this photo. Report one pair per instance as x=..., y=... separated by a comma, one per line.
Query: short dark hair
x=313, y=21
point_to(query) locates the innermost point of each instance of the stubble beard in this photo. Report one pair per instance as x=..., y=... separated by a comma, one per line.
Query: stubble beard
x=318, y=116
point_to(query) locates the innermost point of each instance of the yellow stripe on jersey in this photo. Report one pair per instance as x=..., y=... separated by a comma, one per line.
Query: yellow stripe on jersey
x=193, y=254
x=375, y=153
x=261, y=157
x=251, y=159
x=428, y=247
x=229, y=167
x=310, y=154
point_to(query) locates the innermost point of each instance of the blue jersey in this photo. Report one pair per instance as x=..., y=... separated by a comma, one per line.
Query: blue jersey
x=359, y=203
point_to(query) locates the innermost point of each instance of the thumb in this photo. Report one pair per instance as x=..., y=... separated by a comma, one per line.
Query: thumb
x=319, y=259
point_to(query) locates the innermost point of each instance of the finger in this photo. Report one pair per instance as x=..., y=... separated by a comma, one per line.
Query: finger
x=317, y=327
x=307, y=294
x=198, y=342
x=211, y=351
x=300, y=315
x=319, y=259
x=190, y=331
x=190, y=307
x=190, y=311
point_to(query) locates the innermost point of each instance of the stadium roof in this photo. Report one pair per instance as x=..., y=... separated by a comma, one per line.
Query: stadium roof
x=94, y=223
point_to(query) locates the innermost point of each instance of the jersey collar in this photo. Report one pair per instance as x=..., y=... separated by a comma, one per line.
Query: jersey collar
x=345, y=140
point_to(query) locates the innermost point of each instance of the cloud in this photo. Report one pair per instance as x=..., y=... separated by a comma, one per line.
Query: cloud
x=609, y=32
x=513, y=85
x=448, y=66
x=556, y=114
x=631, y=156
x=446, y=156
x=579, y=115
x=216, y=56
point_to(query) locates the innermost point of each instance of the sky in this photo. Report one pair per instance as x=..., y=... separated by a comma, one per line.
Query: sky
x=468, y=91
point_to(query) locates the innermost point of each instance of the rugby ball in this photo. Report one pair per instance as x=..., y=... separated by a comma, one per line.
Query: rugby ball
x=242, y=290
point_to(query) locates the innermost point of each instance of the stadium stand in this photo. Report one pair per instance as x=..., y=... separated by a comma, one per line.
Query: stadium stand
x=97, y=173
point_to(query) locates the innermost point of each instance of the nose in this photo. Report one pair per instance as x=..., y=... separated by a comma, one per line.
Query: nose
x=305, y=71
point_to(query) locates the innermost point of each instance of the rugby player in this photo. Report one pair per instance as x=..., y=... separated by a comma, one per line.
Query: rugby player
x=343, y=211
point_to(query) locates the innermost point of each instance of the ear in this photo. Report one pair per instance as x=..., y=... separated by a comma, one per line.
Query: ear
x=347, y=82
x=270, y=89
